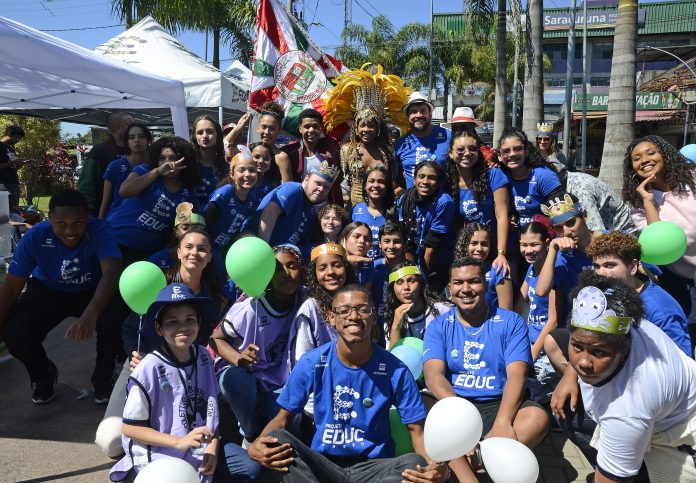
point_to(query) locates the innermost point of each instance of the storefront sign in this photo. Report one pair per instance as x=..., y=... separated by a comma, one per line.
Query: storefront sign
x=596, y=19
x=645, y=101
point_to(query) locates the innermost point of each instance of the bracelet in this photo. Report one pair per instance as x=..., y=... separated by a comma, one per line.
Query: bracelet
x=502, y=251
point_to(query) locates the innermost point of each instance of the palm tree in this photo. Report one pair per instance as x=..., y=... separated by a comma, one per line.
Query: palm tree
x=621, y=111
x=500, y=72
x=533, y=112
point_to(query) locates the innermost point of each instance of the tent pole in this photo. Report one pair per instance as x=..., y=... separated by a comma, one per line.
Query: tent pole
x=220, y=116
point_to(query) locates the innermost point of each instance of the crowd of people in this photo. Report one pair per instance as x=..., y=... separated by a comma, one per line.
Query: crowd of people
x=522, y=278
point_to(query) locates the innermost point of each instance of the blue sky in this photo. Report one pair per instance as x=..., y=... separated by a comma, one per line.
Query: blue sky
x=74, y=20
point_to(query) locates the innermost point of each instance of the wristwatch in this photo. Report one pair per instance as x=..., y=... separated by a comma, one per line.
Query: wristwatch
x=502, y=251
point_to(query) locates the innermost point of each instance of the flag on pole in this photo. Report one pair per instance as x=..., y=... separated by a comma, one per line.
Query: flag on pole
x=288, y=66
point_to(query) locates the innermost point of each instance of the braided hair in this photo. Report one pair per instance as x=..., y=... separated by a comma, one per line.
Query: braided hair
x=479, y=172
x=220, y=166
x=411, y=198
x=679, y=172
x=533, y=158
x=461, y=246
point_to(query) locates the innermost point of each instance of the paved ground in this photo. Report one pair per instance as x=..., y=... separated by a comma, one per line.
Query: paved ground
x=55, y=442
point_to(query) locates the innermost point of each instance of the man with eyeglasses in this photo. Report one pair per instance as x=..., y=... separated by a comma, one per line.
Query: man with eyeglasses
x=354, y=382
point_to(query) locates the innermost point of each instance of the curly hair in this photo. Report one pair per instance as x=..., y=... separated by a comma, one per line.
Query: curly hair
x=274, y=110
x=191, y=175
x=621, y=298
x=679, y=172
x=533, y=159
x=273, y=173
x=392, y=303
x=317, y=234
x=616, y=243
x=319, y=293
x=461, y=246
x=479, y=172
x=388, y=192
x=411, y=198
x=220, y=166
x=209, y=277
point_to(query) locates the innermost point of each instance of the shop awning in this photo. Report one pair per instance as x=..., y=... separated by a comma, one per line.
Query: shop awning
x=641, y=116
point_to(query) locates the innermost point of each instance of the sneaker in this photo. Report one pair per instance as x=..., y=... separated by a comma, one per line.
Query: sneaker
x=44, y=392
x=102, y=393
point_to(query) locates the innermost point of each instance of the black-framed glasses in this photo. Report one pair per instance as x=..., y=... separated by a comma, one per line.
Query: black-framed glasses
x=363, y=310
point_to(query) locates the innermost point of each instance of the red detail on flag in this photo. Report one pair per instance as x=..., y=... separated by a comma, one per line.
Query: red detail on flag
x=335, y=62
x=259, y=97
x=269, y=23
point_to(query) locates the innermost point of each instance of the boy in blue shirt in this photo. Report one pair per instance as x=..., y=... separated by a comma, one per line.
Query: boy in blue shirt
x=354, y=383
x=70, y=266
x=483, y=355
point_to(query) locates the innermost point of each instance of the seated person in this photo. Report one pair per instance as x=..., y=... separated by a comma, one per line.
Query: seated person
x=70, y=265
x=636, y=384
x=354, y=382
x=482, y=355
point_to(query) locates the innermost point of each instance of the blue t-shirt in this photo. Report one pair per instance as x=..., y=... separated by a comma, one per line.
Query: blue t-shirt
x=234, y=214
x=43, y=256
x=116, y=173
x=493, y=279
x=351, y=406
x=263, y=189
x=361, y=213
x=380, y=289
x=143, y=222
x=294, y=225
x=364, y=271
x=208, y=183
x=482, y=211
x=412, y=150
x=569, y=264
x=538, y=306
x=528, y=194
x=662, y=310
x=476, y=358
x=437, y=216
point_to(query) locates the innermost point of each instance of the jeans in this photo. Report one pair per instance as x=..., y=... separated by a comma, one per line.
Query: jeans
x=252, y=407
x=234, y=465
x=311, y=466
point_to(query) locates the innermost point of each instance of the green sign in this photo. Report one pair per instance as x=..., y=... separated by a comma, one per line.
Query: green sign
x=645, y=101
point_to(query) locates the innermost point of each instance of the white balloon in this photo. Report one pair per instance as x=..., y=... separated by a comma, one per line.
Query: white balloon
x=509, y=461
x=452, y=429
x=108, y=436
x=168, y=470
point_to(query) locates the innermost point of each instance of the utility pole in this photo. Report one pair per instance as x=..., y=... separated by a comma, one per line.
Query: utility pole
x=347, y=13
x=430, y=75
x=583, y=128
x=290, y=5
x=569, y=80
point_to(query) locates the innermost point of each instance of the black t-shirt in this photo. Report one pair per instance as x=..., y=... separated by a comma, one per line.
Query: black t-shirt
x=8, y=174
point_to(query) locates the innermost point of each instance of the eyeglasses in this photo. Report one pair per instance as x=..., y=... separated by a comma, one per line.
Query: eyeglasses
x=544, y=138
x=463, y=150
x=362, y=310
x=514, y=149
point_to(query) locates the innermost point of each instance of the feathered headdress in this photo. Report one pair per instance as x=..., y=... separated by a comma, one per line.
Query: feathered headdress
x=360, y=94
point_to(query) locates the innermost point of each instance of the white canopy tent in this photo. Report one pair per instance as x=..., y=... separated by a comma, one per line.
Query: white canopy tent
x=44, y=76
x=208, y=91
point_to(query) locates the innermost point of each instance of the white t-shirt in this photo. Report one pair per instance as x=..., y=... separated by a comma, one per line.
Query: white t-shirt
x=310, y=162
x=654, y=391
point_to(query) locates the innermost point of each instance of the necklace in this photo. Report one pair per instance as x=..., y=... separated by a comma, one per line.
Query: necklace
x=471, y=331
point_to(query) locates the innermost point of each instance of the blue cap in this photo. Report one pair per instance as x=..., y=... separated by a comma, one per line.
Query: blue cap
x=177, y=293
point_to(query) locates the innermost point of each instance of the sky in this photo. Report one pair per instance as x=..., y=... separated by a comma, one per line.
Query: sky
x=89, y=23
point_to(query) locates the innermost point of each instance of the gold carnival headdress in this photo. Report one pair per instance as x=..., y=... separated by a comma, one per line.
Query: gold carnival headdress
x=544, y=129
x=561, y=209
x=360, y=94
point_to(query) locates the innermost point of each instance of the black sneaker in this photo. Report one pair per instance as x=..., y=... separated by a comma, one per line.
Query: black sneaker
x=45, y=392
x=102, y=392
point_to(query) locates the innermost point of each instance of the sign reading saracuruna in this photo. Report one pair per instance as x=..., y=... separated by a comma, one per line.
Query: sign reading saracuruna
x=596, y=19
x=298, y=77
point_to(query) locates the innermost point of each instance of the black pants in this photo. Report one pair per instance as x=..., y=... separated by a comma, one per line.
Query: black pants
x=310, y=465
x=39, y=310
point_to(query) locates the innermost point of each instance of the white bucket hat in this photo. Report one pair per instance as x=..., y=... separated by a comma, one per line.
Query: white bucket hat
x=417, y=98
x=462, y=114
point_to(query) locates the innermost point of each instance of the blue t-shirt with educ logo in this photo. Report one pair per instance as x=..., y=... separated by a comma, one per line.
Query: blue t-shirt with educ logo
x=209, y=182
x=294, y=225
x=116, y=173
x=143, y=222
x=483, y=211
x=234, y=214
x=351, y=406
x=538, y=306
x=41, y=255
x=436, y=216
x=476, y=358
x=530, y=193
x=412, y=150
x=361, y=213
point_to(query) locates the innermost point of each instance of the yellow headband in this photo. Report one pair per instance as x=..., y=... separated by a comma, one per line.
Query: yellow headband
x=402, y=272
x=327, y=249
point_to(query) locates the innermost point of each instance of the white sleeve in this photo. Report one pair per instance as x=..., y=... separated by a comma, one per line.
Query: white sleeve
x=304, y=340
x=623, y=443
x=137, y=407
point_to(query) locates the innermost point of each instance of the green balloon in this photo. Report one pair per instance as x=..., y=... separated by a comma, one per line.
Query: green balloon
x=662, y=243
x=399, y=433
x=414, y=342
x=250, y=263
x=139, y=285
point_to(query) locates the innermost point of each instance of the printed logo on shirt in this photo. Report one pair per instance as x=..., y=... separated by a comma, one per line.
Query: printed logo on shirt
x=194, y=407
x=163, y=207
x=470, y=209
x=345, y=401
x=422, y=154
x=69, y=272
x=48, y=243
x=470, y=358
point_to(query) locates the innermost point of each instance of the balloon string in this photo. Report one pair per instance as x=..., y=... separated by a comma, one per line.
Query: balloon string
x=256, y=318
x=140, y=328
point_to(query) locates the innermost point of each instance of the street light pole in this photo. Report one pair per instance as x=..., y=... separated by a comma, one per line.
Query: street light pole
x=583, y=125
x=430, y=74
x=570, y=59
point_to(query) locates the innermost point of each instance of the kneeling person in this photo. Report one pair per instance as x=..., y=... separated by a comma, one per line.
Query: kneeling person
x=354, y=382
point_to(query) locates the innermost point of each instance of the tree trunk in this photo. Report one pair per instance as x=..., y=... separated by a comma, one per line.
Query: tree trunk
x=445, y=101
x=216, y=47
x=621, y=111
x=533, y=112
x=499, y=116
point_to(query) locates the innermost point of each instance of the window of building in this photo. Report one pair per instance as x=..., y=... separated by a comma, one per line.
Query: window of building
x=602, y=51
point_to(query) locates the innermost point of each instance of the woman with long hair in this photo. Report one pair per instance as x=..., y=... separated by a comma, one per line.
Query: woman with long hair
x=266, y=167
x=379, y=198
x=356, y=238
x=268, y=130
x=660, y=185
x=137, y=139
x=207, y=140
